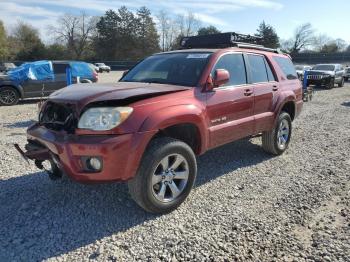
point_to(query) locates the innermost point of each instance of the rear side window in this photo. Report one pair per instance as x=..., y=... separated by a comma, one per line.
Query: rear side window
x=287, y=67
x=234, y=64
x=257, y=69
x=59, y=68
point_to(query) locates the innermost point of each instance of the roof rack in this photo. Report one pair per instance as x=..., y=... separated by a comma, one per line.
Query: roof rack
x=224, y=40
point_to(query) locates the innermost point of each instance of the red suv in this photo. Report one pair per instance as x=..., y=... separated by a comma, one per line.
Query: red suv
x=148, y=128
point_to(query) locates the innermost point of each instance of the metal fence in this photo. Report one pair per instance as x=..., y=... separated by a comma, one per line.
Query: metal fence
x=317, y=58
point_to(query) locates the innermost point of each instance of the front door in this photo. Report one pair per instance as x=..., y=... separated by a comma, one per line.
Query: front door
x=230, y=107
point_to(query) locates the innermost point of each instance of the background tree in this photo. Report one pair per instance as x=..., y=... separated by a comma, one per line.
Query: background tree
x=268, y=35
x=75, y=32
x=126, y=36
x=3, y=43
x=302, y=39
x=209, y=30
x=319, y=41
x=147, y=35
x=26, y=44
x=331, y=47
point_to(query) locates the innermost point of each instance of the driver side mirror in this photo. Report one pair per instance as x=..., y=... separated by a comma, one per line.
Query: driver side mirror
x=221, y=77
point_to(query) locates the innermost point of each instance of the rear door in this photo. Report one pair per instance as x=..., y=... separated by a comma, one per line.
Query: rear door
x=230, y=107
x=265, y=87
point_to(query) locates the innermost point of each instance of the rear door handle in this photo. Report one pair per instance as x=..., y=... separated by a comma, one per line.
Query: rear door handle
x=248, y=92
x=274, y=88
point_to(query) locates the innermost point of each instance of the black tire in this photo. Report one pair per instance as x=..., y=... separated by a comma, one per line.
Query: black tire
x=141, y=188
x=270, y=139
x=55, y=173
x=330, y=84
x=8, y=96
x=341, y=84
x=100, y=70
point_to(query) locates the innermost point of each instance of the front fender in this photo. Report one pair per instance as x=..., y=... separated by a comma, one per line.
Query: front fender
x=179, y=114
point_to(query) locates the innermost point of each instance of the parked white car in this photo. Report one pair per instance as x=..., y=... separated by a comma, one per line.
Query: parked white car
x=301, y=70
x=103, y=68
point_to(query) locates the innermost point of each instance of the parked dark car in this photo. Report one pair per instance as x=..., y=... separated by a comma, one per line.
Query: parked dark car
x=11, y=91
x=6, y=66
x=326, y=75
x=149, y=127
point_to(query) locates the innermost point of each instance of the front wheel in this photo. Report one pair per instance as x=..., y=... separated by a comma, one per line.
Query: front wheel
x=330, y=84
x=165, y=176
x=277, y=140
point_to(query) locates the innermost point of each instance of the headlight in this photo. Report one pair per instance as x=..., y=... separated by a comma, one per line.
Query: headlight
x=104, y=118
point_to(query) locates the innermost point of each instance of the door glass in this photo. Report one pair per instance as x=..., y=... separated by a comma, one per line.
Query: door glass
x=257, y=69
x=234, y=64
x=270, y=75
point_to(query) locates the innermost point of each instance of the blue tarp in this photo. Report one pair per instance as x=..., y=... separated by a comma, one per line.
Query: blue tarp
x=81, y=69
x=39, y=70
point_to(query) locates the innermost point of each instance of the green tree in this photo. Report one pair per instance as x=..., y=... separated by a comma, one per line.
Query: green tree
x=209, y=30
x=268, y=35
x=26, y=43
x=125, y=36
x=3, y=43
x=56, y=52
x=147, y=36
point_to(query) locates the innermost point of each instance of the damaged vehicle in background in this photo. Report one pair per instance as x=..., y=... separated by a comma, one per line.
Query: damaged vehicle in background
x=301, y=70
x=41, y=78
x=148, y=128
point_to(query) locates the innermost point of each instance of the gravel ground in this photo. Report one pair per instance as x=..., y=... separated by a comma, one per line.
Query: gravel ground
x=246, y=206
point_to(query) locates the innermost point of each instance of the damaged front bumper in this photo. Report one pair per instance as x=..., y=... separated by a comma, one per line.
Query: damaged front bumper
x=119, y=154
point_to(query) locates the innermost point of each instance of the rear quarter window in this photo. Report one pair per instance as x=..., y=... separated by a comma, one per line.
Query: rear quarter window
x=286, y=66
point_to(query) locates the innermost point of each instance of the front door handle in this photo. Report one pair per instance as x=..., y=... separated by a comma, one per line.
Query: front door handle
x=248, y=92
x=274, y=88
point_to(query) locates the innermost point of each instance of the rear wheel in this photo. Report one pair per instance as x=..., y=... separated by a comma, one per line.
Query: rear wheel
x=8, y=96
x=277, y=140
x=165, y=176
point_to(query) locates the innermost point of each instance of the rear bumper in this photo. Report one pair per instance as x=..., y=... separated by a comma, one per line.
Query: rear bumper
x=120, y=154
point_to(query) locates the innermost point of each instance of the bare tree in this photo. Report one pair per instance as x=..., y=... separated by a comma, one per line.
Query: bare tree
x=75, y=32
x=319, y=41
x=173, y=28
x=303, y=38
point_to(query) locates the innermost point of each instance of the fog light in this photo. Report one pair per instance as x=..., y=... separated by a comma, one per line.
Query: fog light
x=94, y=163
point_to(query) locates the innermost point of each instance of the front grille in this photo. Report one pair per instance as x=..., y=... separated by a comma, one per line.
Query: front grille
x=58, y=117
x=315, y=77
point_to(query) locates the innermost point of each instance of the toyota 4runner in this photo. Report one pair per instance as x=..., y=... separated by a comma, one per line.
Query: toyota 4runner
x=148, y=128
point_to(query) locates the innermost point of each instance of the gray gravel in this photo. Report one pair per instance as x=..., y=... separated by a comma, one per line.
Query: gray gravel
x=246, y=206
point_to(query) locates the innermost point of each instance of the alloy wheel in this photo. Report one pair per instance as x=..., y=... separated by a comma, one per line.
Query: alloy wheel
x=170, y=178
x=283, y=134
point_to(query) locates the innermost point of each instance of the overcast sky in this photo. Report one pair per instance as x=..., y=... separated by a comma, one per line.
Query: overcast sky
x=329, y=17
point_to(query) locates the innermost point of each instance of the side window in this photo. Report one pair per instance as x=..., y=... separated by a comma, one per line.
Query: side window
x=59, y=68
x=287, y=67
x=234, y=64
x=257, y=68
x=270, y=75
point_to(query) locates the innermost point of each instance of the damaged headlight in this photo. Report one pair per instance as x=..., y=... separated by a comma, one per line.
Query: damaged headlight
x=104, y=118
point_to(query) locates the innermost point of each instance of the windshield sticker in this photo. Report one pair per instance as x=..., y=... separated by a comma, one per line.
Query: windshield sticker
x=201, y=56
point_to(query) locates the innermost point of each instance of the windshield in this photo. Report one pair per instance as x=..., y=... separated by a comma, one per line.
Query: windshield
x=172, y=68
x=324, y=67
